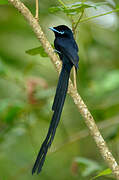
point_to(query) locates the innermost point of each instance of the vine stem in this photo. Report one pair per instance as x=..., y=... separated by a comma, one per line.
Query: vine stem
x=77, y=23
x=101, y=144
x=74, y=32
x=37, y=10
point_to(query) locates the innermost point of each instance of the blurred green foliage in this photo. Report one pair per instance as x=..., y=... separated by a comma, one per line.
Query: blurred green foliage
x=27, y=87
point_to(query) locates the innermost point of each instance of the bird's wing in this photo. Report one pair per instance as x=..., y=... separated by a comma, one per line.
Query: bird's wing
x=69, y=49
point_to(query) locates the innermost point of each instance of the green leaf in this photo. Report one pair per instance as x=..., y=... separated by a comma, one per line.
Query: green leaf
x=55, y=9
x=103, y=173
x=70, y=9
x=89, y=166
x=75, y=7
x=36, y=51
x=2, y=2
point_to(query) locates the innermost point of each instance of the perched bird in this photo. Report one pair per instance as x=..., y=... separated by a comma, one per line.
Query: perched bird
x=67, y=50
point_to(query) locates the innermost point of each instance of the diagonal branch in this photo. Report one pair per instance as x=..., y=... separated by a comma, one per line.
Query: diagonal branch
x=106, y=154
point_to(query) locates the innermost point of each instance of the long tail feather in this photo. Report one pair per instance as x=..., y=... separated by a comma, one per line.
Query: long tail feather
x=57, y=107
x=58, y=90
x=64, y=71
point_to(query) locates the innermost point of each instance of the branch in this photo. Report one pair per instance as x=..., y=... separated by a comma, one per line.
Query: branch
x=106, y=154
x=37, y=10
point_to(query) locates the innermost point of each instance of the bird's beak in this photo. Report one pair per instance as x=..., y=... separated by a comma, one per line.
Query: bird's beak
x=54, y=30
x=51, y=28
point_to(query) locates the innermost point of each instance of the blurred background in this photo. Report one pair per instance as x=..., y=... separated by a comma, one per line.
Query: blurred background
x=28, y=81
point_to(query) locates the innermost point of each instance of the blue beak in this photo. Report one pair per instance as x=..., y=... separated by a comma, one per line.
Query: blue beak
x=54, y=30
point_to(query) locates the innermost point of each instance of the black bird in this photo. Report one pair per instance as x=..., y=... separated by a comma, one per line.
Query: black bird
x=67, y=50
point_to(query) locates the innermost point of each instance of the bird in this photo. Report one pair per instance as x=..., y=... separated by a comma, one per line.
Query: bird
x=67, y=49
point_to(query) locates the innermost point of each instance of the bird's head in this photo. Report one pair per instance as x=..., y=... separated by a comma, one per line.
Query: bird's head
x=62, y=31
